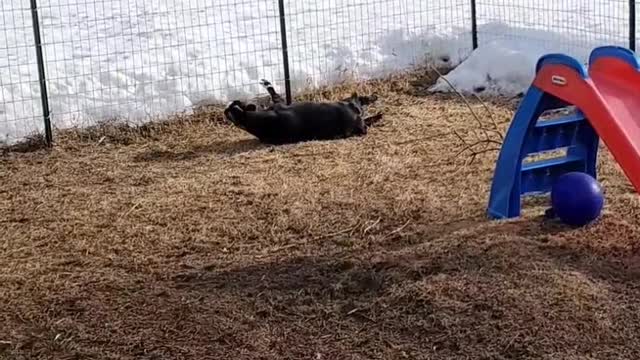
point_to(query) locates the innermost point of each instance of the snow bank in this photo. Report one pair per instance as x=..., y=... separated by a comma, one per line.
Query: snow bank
x=500, y=67
x=505, y=66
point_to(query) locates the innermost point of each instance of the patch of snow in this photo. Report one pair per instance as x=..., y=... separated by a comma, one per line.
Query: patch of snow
x=501, y=67
x=505, y=65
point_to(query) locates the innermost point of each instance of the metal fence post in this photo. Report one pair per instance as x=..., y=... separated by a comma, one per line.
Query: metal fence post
x=285, y=51
x=46, y=113
x=632, y=25
x=474, y=25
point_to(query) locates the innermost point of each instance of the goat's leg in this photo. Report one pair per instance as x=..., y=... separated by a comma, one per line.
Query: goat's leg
x=275, y=97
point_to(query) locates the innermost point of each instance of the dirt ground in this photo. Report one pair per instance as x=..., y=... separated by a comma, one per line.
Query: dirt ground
x=190, y=240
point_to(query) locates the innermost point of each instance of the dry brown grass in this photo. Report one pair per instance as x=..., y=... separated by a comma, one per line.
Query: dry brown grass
x=189, y=240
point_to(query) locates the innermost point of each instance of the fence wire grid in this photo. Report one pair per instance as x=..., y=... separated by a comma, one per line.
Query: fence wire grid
x=140, y=59
x=20, y=106
x=573, y=26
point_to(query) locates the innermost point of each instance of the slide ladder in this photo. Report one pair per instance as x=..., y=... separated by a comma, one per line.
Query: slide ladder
x=537, y=151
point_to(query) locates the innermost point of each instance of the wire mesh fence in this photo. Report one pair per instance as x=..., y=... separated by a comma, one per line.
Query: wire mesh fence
x=20, y=107
x=332, y=41
x=139, y=59
x=136, y=59
x=571, y=26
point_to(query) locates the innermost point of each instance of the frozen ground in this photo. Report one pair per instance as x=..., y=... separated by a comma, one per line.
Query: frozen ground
x=136, y=59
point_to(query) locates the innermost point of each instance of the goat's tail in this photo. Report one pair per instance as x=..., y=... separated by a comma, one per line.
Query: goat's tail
x=275, y=97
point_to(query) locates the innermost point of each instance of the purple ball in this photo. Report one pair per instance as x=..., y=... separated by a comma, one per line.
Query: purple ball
x=577, y=198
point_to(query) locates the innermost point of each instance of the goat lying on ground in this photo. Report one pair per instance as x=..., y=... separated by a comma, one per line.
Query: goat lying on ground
x=280, y=123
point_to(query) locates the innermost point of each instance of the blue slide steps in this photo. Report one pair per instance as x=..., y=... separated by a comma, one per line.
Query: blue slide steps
x=529, y=136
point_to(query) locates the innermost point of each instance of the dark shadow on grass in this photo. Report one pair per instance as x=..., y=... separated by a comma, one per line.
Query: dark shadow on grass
x=345, y=276
x=29, y=144
x=467, y=296
x=619, y=268
x=325, y=277
x=216, y=147
x=574, y=249
x=455, y=298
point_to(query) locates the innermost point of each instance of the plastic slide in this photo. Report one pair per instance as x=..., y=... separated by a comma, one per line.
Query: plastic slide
x=607, y=97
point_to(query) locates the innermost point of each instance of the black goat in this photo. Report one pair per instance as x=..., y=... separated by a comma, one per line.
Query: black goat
x=280, y=123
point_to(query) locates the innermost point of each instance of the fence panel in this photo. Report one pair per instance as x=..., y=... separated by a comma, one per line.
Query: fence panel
x=137, y=59
x=330, y=41
x=20, y=106
x=572, y=26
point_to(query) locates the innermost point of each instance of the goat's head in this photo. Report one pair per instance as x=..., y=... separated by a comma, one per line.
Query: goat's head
x=235, y=112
